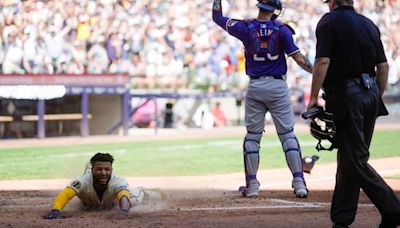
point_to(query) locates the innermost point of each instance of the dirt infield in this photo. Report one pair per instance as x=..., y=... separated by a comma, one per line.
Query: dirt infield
x=187, y=209
x=198, y=201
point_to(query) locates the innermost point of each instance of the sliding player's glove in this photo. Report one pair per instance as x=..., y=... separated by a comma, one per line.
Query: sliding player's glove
x=54, y=214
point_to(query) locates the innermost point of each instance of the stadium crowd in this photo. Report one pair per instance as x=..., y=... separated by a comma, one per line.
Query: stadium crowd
x=161, y=44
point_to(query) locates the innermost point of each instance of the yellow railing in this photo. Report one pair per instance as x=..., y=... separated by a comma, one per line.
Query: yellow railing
x=69, y=116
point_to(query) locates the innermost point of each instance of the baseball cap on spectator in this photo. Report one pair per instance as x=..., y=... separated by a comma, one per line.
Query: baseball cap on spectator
x=79, y=43
x=52, y=29
x=100, y=39
x=83, y=18
x=27, y=30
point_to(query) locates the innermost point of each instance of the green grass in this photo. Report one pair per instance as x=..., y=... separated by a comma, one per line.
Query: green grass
x=167, y=158
x=393, y=177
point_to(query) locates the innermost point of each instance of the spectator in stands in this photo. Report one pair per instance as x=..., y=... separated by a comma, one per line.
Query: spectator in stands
x=97, y=57
x=297, y=97
x=114, y=47
x=12, y=63
x=30, y=51
x=220, y=119
x=43, y=62
x=394, y=70
x=137, y=70
x=55, y=43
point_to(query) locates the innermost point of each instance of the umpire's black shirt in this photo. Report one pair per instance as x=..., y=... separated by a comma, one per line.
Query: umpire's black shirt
x=351, y=41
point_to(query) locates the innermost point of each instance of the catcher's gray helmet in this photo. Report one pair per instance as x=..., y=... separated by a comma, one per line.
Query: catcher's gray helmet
x=270, y=4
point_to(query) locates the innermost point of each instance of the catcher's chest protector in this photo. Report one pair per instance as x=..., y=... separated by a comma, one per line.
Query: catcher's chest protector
x=266, y=38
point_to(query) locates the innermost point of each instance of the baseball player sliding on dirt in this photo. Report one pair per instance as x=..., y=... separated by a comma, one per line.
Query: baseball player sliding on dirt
x=266, y=41
x=100, y=189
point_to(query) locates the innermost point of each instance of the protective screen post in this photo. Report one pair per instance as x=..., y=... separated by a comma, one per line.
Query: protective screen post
x=169, y=115
x=239, y=101
x=126, y=110
x=41, y=127
x=85, y=113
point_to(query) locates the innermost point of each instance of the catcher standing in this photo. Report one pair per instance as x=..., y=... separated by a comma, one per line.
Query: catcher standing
x=100, y=189
x=351, y=66
x=266, y=41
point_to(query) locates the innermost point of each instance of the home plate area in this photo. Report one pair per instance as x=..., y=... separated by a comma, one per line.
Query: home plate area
x=279, y=208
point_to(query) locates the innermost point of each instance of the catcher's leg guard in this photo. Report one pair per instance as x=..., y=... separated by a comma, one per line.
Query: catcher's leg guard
x=291, y=147
x=251, y=148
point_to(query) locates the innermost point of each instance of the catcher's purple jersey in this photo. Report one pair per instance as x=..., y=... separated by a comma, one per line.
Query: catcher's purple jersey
x=260, y=63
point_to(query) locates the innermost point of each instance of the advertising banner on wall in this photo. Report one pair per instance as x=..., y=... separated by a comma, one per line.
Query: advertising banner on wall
x=45, y=87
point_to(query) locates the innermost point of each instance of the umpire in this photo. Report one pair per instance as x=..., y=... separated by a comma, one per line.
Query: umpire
x=351, y=67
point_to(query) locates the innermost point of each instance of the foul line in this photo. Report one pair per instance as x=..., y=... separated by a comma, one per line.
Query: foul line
x=286, y=205
x=247, y=208
x=306, y=205
x=29, y=206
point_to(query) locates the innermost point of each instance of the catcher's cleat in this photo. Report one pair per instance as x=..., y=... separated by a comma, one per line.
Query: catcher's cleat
x=308, y=163
x=139, y=196
x=155, y=194
x=301, y=193
x=299, y=187
x=144, y=196
x=250, y=191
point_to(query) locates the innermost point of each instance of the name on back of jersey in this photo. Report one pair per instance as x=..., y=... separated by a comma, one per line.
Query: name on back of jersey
x=265, y=32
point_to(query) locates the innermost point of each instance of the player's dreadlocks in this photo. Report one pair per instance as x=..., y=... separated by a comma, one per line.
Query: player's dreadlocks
x=104, y=157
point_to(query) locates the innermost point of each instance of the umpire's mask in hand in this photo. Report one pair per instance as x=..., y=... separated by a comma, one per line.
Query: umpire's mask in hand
x=322, y=127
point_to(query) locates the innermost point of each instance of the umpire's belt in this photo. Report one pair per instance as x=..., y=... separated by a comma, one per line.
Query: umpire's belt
x=281, y=77
x=341, y=86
